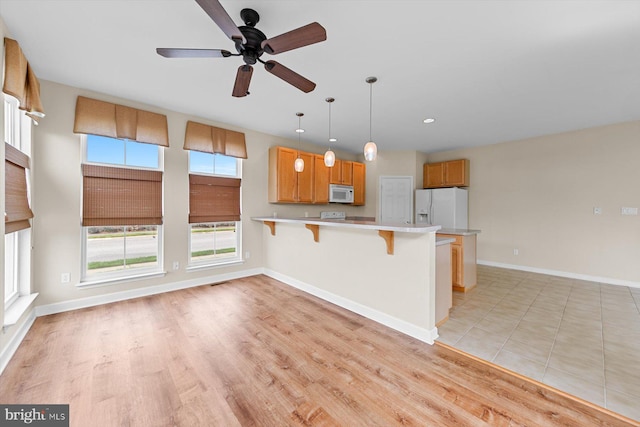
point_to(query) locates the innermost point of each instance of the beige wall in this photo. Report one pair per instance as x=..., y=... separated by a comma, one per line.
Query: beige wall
x=57, y=178
x=537, y=195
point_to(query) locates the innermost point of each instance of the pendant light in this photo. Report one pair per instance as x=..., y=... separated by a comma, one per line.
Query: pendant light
x=298, y=165
x=370, y=148
x=330, y=156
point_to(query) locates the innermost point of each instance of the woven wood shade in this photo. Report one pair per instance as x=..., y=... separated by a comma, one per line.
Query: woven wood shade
x=211, y=139
x=17, y=211
x=118, y=121
x=213, y=199
x=20, y=81
x=117, y=196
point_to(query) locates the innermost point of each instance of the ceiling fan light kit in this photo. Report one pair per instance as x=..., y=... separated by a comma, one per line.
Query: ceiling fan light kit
x=330, y=156
x=370, y=148
x=251, y=44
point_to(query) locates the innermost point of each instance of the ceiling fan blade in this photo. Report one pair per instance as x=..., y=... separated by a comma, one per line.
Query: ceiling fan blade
x=243, y=78
x=289, y=76
x=220, y=16
x=303, y=36
x=168, y=52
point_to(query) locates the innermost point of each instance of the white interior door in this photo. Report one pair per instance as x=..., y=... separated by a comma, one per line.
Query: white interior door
x=396, y=199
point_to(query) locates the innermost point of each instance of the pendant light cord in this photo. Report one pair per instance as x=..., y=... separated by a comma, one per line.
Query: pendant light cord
x=370, y=107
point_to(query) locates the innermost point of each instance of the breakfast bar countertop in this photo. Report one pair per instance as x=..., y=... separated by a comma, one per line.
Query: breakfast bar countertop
x=458, y=231
x=354, y=223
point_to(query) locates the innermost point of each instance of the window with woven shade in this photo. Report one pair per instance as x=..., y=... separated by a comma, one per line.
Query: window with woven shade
x=214, y=194
x=122, y=196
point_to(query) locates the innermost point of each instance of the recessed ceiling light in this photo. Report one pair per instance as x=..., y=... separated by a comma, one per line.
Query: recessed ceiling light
x=429, y=120
x=300, y=130
x=332, y=140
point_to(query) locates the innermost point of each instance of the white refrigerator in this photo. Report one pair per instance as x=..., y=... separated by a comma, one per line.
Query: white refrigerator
x=447, y=207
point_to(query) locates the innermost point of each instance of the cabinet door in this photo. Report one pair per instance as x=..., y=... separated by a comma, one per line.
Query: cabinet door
x=455, y=173
x=359, y=187
x=347, y=173
x=306, y=178
x=456, y=266
x=433, y=175
x=287, y=179
x=336, y=173
x=321, y=194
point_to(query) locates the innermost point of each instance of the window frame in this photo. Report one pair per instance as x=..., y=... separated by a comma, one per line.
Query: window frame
x=211, y=263
x=18, y=133
x=123, y=274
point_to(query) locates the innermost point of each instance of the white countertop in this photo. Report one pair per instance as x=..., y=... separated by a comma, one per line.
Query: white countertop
x=350, y=223
x=444, y=240
x=458, y=231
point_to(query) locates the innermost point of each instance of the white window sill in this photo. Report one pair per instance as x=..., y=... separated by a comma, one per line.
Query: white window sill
x=115, y=280
x=15, y=311
x=197, y=267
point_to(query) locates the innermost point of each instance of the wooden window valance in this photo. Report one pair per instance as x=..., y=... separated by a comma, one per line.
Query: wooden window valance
x=213, y=199
x=118, y=121
x=118, y=196
x=17, y=210
x=211, y=139
x=20, y=81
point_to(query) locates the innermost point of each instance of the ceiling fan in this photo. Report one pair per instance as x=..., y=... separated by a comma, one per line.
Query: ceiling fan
x=251, y=43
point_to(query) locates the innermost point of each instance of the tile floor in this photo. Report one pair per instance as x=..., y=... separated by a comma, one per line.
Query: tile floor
x=577, y=336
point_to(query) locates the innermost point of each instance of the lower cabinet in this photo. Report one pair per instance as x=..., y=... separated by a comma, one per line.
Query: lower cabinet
x=463, y=261
x=444, y=293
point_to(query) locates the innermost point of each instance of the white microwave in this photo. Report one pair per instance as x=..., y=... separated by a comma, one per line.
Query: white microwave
x=340, y=193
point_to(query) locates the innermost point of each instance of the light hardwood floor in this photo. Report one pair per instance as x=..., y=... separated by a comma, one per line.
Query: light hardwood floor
x=257, y=352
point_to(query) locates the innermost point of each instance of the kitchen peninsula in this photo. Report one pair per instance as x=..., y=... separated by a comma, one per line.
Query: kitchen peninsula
x=385, y=272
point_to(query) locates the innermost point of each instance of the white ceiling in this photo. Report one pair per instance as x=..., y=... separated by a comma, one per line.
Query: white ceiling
x=488, y=71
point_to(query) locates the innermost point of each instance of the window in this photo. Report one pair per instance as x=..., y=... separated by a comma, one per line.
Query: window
x=122, y=209
x=218, y=241
x=17, y=244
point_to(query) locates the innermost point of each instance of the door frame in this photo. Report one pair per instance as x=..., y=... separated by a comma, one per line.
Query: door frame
x=381, y=180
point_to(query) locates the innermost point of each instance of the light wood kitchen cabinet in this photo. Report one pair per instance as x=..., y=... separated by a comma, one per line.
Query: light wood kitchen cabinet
x=453, y=173
x=321, y=173
x=444, y=293
x=342, y=173
x=285, y=184
x=359, y=183
x=463, y=261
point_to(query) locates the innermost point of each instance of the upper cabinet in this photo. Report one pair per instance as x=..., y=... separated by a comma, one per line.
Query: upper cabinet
x=454, y=173
x=285, y=184
x=342, y=173
x=321, y=184
x=312, y=184
x=359, y=187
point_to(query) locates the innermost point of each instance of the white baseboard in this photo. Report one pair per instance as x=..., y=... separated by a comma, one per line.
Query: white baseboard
x=425, y=335
x=607, y=280
x=76, y=304
x=9, y=350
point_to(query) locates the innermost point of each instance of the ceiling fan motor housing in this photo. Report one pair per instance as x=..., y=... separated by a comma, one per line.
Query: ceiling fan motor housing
x=252, y=49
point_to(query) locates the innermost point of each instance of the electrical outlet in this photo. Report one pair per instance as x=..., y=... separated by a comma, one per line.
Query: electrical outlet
x=176, y=265
x=597, y=211
x=65, y=277
x=629, y=211
x=516, y=252
x=247, y=255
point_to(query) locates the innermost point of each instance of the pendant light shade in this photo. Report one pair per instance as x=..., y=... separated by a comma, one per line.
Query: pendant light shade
x=370, y=151
x=330, y=156
x=298, y=165
x=370, y=148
